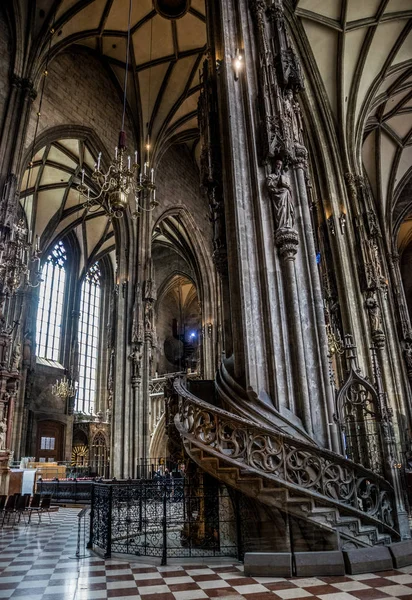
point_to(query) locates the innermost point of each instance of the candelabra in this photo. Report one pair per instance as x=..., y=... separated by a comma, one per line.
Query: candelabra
x=119, y=181
x=18, y=258
x=63, y=388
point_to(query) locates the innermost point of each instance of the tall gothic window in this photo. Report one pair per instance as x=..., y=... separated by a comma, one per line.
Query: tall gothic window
x=88, y=339
x=51, y=299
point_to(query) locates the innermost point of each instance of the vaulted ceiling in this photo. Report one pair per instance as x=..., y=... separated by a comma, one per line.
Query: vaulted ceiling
x=165, y=57
x=363, y=54
x=50, y=190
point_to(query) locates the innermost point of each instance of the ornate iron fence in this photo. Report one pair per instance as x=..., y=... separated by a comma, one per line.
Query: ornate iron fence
x=168, y=518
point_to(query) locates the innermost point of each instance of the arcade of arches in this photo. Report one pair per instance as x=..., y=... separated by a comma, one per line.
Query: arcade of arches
x=267, y=294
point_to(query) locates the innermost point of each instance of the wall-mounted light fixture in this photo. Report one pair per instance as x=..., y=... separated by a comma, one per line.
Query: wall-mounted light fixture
x=342, y=222
x=238, y=63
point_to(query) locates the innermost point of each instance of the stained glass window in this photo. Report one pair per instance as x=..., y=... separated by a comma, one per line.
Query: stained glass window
x=51, y=300
x=88, y=339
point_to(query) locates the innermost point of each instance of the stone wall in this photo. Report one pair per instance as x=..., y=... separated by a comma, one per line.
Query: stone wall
x=167, y=311
x=44, y=405
x=79, y=91
x=178, y=183
x=5, y=64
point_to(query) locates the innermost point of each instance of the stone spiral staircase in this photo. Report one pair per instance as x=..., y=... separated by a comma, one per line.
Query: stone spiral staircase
x=288, y=473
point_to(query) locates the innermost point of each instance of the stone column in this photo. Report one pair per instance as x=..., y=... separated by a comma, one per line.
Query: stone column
x=287, y=241
x=390, y=450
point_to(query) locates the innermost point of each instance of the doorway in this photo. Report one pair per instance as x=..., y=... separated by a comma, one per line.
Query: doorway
x=49, y=447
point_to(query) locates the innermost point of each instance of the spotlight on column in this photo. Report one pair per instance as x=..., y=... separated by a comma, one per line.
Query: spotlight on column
x=238, y=64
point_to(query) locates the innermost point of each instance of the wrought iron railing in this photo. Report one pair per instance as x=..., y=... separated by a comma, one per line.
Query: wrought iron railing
x=300, y=466
x=168, y=518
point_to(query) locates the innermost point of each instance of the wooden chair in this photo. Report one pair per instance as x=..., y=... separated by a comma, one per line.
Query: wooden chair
x=3, y=498
x=44, y=507
x=20, y=508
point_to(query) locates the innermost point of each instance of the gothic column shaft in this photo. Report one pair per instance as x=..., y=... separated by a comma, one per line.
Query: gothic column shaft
x=249, y=333
x=318, y=310
x=120, y=437
x=391, y=371
x=287, y=242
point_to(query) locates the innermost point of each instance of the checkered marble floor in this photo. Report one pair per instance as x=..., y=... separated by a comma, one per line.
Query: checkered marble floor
x=36, y=563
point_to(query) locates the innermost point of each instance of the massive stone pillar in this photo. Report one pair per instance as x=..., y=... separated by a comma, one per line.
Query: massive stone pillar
x=279, y=339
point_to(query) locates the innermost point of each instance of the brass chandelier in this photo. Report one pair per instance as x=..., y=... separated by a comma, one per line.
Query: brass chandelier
x=116, y=184
x=111, y=189
x=18, y=258
x=63, y=388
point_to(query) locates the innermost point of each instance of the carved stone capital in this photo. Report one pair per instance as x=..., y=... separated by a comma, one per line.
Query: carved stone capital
x=394, y=257
x=25, y=84
x=276, y=12
x=258, y=8
x=301, y=159
x=379, y=339
x=287, y=241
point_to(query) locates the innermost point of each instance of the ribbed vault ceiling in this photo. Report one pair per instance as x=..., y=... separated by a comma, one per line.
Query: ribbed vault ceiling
x=363, y=53
x=49, y=189
x=162, y=94
x=165, y=57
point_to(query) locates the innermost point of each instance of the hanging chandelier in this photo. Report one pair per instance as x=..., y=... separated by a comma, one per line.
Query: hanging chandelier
x=63, y=388
x=116, y=184
x=18, y=258
x=111, y=189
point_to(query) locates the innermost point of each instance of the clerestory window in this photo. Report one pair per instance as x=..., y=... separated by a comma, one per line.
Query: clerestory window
x=51, y=301
x=89, y=339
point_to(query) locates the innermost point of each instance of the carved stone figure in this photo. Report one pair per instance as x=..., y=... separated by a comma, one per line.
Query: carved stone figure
x=374, y=313
x=27, y=346
x=15, y=358
x=217, y=218
x=275, y=140
x=3, y=432
x=148, y=316
x=136, y=359
x=292, y=114
x=407, y=353
x=150, y=292
x=137, y=312
x=279, y=186
x=373, y=265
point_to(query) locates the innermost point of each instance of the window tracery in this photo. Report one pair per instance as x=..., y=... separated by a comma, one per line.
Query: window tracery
x=51, y=302
x=89, y=338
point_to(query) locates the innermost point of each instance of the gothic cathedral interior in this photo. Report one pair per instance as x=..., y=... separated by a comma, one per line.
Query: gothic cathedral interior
x=206, y=257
